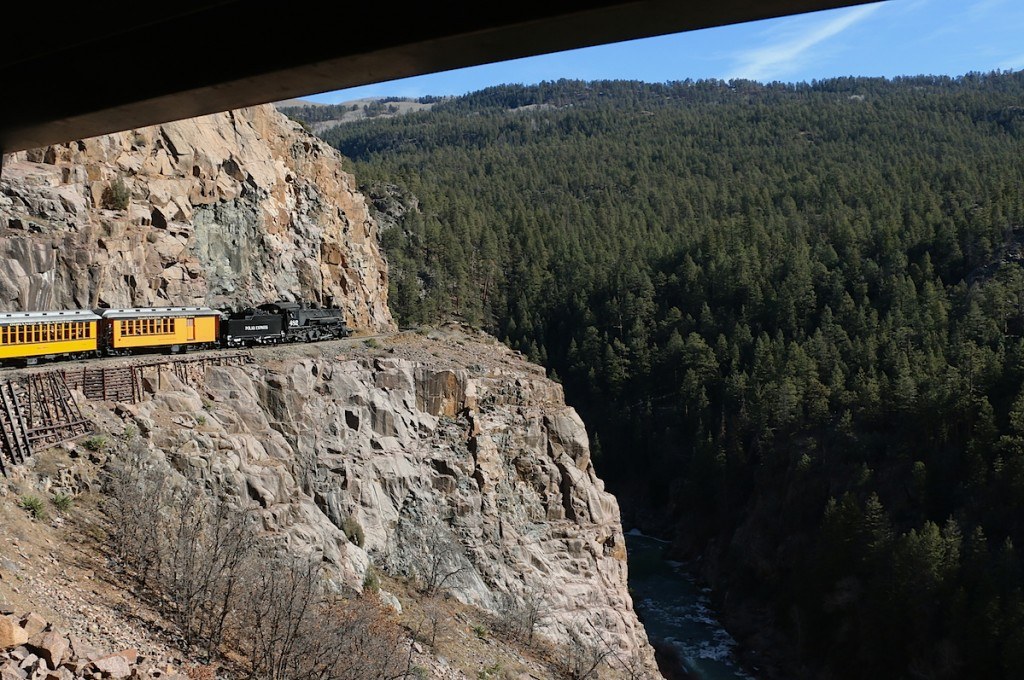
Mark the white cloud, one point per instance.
(1013, 63)
(984, 7)
(773, 61)
(912, 5)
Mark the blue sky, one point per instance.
(891, 38)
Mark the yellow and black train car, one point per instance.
(29, 336)
(124, 331)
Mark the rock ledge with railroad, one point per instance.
(440, 457)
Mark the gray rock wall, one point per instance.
(474, 479)
(237, 208)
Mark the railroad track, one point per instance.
(38, 407)
(148, 359)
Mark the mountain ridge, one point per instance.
(788, 313)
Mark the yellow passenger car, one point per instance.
(28, 336)
(174, 328)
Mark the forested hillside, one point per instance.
(791, 316)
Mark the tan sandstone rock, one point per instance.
(10, 671)
(34, 624)
(51, 647)
(11, 634)
(113, 666)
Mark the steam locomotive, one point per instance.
(282, 322)
(28, 337)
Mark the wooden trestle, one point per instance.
(39, 409)
(111, 383)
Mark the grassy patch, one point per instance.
(62, 502)
(353, 530)
(371, 581)
(117, 196)
(95, 443)
(33, 505)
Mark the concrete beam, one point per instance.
(105, 67)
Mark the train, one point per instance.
(26, 338)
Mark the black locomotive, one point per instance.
(276, 322)
(29, 337)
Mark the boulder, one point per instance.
(9, 671)
(114, 666)
(34, 624)
(389, 600)
(129, 655)
(82, 650)
(11, 634)
(51, 647)
(61, 673)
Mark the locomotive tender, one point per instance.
(27, 337)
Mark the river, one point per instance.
(677, 612)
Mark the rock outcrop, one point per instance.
(33, 649)
(235, 208)
(464, 471)
(449, 461)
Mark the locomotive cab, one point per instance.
(304, 324)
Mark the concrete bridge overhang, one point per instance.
(72, 72)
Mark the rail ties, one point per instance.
(109, 383)
(16, 446)
(38, 410)
(124, 382)
(53, 413)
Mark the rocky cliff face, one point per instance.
(448, 461)
(235, 208)
(459, 463)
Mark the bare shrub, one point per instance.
(432, 621)
(285, 597)
(176, 541)
(631, 667)
(206, 556)
(444, 562)
(585, 652)
(291, 629)
(519, 615)
(429, 553)
(197, 672)
(138, 491)
(229, 590)
(370, 642)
